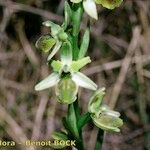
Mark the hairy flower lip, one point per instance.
(107, 126)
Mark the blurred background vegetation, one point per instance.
(120, 53)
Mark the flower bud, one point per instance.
(66, 90)
(45, 43)
(90, 8)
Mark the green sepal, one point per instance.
(77, 65)
(83, 81)
(84, 119)
(45, 43)
(55, 28)
(84, 44)
(66, 52)
(48, 82)
(56, 65)
(96, 101)
(68, 15)
(110, 4)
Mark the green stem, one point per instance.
(75, 47)
(99, 141)
(80, 144)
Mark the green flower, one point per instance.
(103, 117)
(54, 40)
(110, 4)
(66, 76)
(90, 5)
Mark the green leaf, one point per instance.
(110, 4)
(55, 28)
(59, 136)
(94, 105)
(99, 140)
(84, 120)
(48, 82)
(76, 19)
(68, 15)
(65, 124)
(83, 81)
(55, 50)
(77, 65)
(45, 43)
(72, 122)
(77, 108)
(84, 44)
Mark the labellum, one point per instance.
(66, 90)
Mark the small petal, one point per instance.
(112, 113)
(83, 81)
(66, 53)
(55, 50)
(48, 82)
(77, 65)
(57, 65)
(90, 8)
(107, 111)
